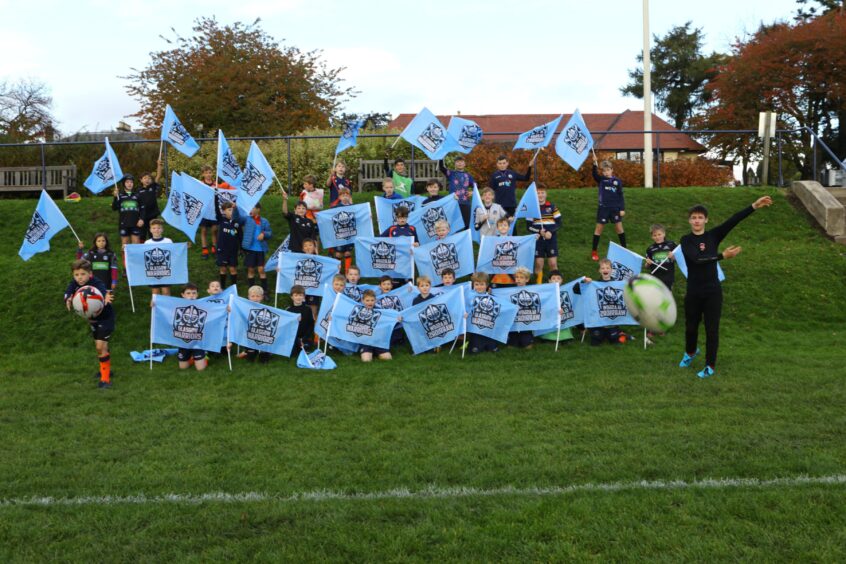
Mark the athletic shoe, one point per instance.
(706, 372)
(495, 350)
(594, 256)
(104, 385)
(213, 250)
(205, 253)
(687, 359)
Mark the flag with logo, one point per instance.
(571, 304)
(434, 322)
(188, 324)
(455, 252)
(384, 256)
(175, 133)
(228, 169)
(197, 201)
(429, 135)
(678, 255)
(399, 298)
(386, 209)
(229, 293)
(149, 264)
(539, 136)
(262, 327)
(341, 225)
(172, 213)
(537, 306)
(624, 263)
(503, 255)
(309, 271)
(574, 142)
(355, 323)
(489, 315)
(603, 304)
(466, 133)
(424, 218)
(273, 259)
(256, 179)
(529, 205)
(106, 172)
(462, 286)
(349, 137)
(315, 360)
(321, 324)
(47, 220)
(475, 204)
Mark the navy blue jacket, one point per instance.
(610, 191)
(504, 184)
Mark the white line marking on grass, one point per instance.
(431, 492)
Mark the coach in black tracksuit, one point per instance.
(704, 296)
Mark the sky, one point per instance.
(473, 57)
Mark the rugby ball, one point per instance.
(88, 302)
(650, 302)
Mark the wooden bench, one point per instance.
(30, 179)
(372, 172)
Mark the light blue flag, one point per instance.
(230, 293)
(262, 327)
(466, 133)
(188, 324)
(349, 137)
(273, 259)
(574, 142)
(384, 256)
(106, 172)
(455, 252)
(529, 205)
(309, 271)
(624, 263)
(490, 316)
(316, 360)
(228, 169)
(257, 178)
(537, 306)
(197, 200)
(386, 209)
(341, 225)
(678, 256)
(429, 135)
(503, 255)
(475, 204)
(603, 304)
(539, 136)
(399, 298)
(172, 213)
(466, 287)
(47, 220)
(424, 218)
(174, 133)
(149, 264)
(321, 325)
(571, 304)
(355, 323)
(434, 322)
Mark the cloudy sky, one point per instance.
(533, 56)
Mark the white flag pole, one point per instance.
(228, 334)
(308, 359)
(464, 340)
(152, 322)
(276, 286)
(331, 315)
(660, 265)
(128, 281)
(644, 338)
(558, 293)
(396, 141)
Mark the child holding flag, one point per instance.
(312, 196)
(433, 189)
(488, 216)
(546, 228)
(344, 252)
(460, 184)
(254, 294)
(481, 343)
(299, 225)
(186, 357)
(157, 236)
(337, 180)
(521, 339)
(130, 211)
(305, 330)
(504, 184)
(230, 232)
(368, 300)
(503, 228)
(659, 252)
(612, 205)
(598, 335)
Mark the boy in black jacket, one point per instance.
(131, 212)
(230, 231)
(612, 205)
(305, 330)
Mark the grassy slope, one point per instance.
(517, 418)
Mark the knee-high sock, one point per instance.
(105, 368)
(595, 241)
(622, 237)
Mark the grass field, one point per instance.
(583, 454)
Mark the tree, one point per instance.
(372, 121)
(807, 10)
(239, 79)
(25, 113)
(679, 73)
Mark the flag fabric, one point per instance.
(424, 218)
(309, 271)
(197, 200)
(355, 323)
(321, 324)
(47, 220)
(434, 322)
(106, 172)
(386, 209)
(228, 169)
(466, 287)
(156, 263)
(466, 133)
(571, 304)
(231, 292)
(624, 263)
(262, 327)
(156, 355)
(489, 315)
(273, 259)
(349, 137)
(175, 133)
(172, 213)
(475, 204)
(455, 252)
(503, 255)
(603, 304)
(315, 360)
(384, 256)
(529, 205)
(342, 225)
(257, 178)
(574, 142)
(188, 324)
(678, 256)
(539, 136)
(537, 306)
(356, 291)
(429, 135)
(399, 298)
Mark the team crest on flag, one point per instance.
(362, 321)
(383, 256)
(443, 256)
(307, 273)
(353, 292)
(37, 229)
(389, 302)
(157, 263)
(409, 205)
(343, 223)
(176, 202)
(177, 134)
(470, 136)
(188, 323)
(229, 166)
(537, 135)
(432, 137)
(575, 138)
(430, 217)
(610, 302)
(261, 326)
(569, 312)
(528, 307)
(104, 172)
(436, 321)
(193, 208)
(620, 271)
(253, 179)
(505, 255)
(484, 311)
